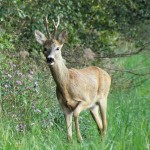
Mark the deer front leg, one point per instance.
(68, 117)
(77, 128)
(81, 106)
(67, 113)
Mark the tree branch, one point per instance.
(128, 54)
(129, 71)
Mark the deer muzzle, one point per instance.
(50, 60)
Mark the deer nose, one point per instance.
(50, 60)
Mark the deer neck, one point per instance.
(60, 72)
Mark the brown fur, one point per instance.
(78, 89)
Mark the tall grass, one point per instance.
(128, 128)
(30, 118)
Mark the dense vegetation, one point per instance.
(112, 34)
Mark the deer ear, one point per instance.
(40, 37)
(62, 36)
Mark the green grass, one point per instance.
(128, 128)
(42, 122)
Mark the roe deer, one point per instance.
(76, 89)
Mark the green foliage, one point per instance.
(89, 23)
(30, 117)
(128, 128)
(6, 41)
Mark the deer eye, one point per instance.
(57, 48)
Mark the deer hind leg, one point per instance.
(81, 106)
(103, 111)
(96, 116)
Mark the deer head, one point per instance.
(52, 45)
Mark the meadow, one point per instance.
(111, 34)
(30, 116)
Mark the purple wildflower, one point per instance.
(33, 107)
(6, 86)
(21, 127)
(18, 82)
(38, 111)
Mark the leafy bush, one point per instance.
(6, 41)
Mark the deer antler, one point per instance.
(56, 24)
(46, 25)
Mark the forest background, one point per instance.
(111, 34)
